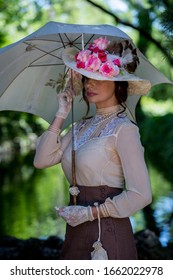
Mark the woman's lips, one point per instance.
(90, 94)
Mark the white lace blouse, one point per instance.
(108, 151)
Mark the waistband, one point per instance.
(90, 195)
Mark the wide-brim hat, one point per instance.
(136, 85)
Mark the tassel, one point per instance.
(99, 253)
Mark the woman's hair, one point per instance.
(120, 94)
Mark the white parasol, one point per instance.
(27, 65)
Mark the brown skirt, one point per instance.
(116, 233)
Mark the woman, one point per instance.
(109, 158)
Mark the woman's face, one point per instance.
(102, 93)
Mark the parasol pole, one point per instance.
(73, 148)
(74, 181)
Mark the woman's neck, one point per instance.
(108, 110)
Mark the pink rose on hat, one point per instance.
(117, 62)
(109, 69)
(93, 63)
(101, 43)
(81, 58)
(97, 59)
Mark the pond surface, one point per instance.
(164, 217)
(28, 210)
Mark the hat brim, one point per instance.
(136, 85)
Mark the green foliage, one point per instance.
(161, 187)
(166, 20)
(157, 135)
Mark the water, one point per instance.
(27, 210)
(164, 217)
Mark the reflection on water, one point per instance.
(164, 218)
(27, 210)
(163, 213)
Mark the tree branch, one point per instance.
(140, 30)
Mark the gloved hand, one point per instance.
(65, 102)
(75, 215)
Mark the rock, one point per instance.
(11, 248)
(149, 246)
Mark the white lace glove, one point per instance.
(65, 102)
(75, 215)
